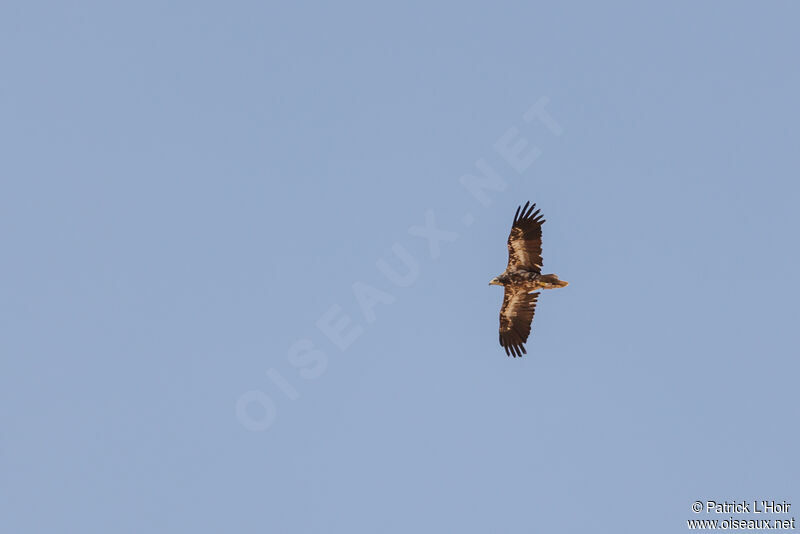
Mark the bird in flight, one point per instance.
(522, 279)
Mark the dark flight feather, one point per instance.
(516, 316)
(525, 240)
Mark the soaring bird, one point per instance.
(522, 278)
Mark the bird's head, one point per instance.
(495, 282)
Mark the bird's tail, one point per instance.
(550, 281)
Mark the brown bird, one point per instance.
(522, 277)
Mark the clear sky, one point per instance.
(222, 309)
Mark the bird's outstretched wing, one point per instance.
(516, 316)
(525, 240)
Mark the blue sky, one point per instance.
(199, 204)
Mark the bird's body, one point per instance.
(529, 280)
(521, 279)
